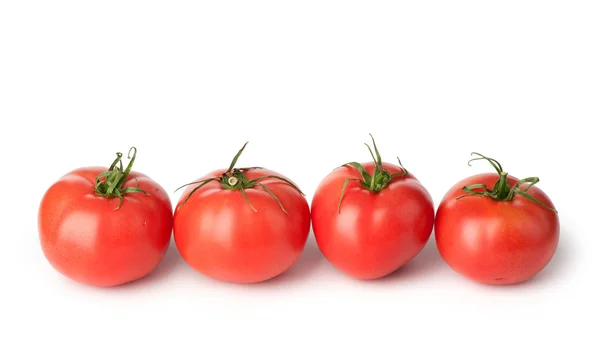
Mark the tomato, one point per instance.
(241, 225)
(105, 227)
(370, 219)
(496, 229)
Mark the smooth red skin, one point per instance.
(495, 242)
(219, 235)
(375, 233)
(86, 240)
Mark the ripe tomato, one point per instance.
(241, 225)
(94, 238)
(503, 235)
(370, 219)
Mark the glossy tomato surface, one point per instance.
(496, 242)
(84, 238)
(373, 234)
(221, 236)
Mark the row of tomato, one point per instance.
(109, 226)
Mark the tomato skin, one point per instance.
(375, 233)
(219, 235)
(496, 242)
(84, 239)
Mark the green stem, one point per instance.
(502, 190)
(109, 184)
(503, 187)
(372, 185)
(235, 179)
(380, 179)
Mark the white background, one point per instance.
(188, 82)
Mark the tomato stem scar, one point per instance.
(502, 191)
(235, 179)
(380, 179)
(114, 179)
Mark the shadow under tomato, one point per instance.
(562, 259)
(310, 259)
(164, 269)
(552, 272)
(427, 262)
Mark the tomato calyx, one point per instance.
(380, 179)
(235, 179)
(115, 177)
(502, 191)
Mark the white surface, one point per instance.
(304, 83)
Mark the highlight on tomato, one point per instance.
(242, 225)
(496, 229)
(372, 218)
(105, 226)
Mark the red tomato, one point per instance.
(378, 227)
(241, 225)
(88, 237)
(496, 234)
